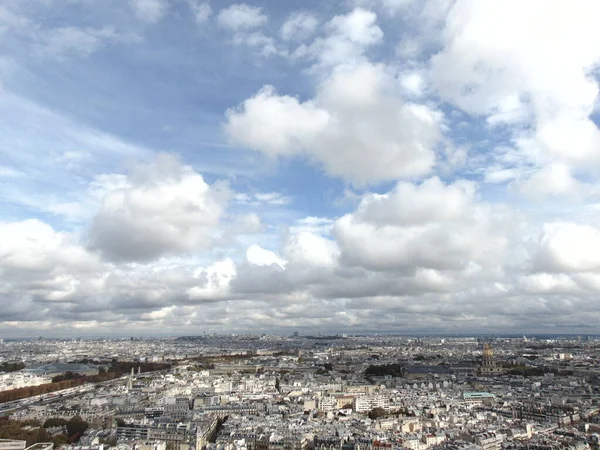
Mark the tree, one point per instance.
(376, 413)
(111, 442)
(76, 425)
(394, 370)
(54, 422)
(60, 440)
(11, 366)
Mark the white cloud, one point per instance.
(162, 248)
(272, 198)
(508, 62)
(412, 83)
(410, 204)
(299, 26)
(357, 126)
(265, 44)
(241, 17)
(202, 11)
(275, 124)
(262, 198)
(244, 21)
(150, 11)
(218, 279)
(308, 249)
(495, 175)
(259, 256)
(547, 283)
(358, 26)
(34, 245)
(568, 247)
(553, 179)
(39, 264)
(431, 225)
(349, 37)
(166, 209)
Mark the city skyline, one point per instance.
(169, 167)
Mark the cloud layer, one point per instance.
(381, 165)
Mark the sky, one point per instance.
(179, 167)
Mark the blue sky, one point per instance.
(359, 165)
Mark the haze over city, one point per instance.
(176, 167)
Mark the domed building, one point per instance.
(488, 362)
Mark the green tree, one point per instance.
(394, 370)
(376, 413)
(54, 422)
(60, 440)
(76, 425)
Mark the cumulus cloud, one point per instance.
(33, 245)
(218, 277)
(406, 247)
(568, 247)
(412, 83)
(564, 264)
(260, 257)
(40, 264)
(163, 248)
(431, 225)
(554, 179)
(289, 122)
(307, 259)
(357, 126)
(166, 208)
(357, 26)
(311, 250)
(546, 283)
(50, 275)
(530, 75)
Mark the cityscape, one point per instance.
(338, 392)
